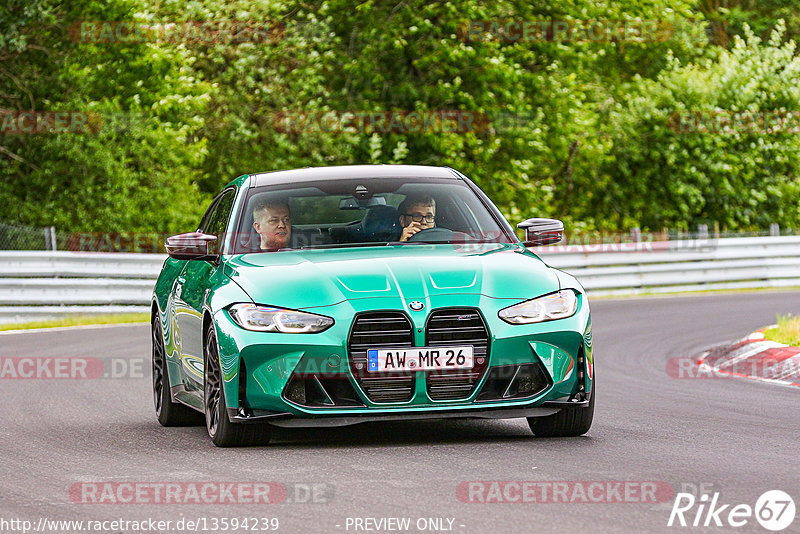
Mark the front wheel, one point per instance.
(569, 422)
(169, 413)
(221, 430)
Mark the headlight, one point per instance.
(268, 319)
(558, 305)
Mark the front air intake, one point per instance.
(507, 382)
(385, 329)
(453, 327)
(321, 391)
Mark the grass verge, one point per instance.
(787, 331)
(76, 320)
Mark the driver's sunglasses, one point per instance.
(420, 218)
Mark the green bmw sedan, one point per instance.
(342, 295)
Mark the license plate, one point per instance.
(419, 359)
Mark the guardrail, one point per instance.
(41, 284)
(36, 285)
(673, 266)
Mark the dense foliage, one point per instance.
(582, 130)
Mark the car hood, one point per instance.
(322, 277)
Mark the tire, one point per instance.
(168, 413)
(569, 422)
(221, 430)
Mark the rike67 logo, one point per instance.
(774, 510)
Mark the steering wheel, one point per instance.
(433, 234)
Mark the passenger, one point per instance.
(273, 222)
(416, 213)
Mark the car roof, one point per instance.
(344, 172)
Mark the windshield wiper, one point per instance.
(341, 245)
(393, 243)
(453, 242)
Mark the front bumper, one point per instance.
(288, 420)
(257, 366)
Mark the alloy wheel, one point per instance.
(158, 365)
(212, 384)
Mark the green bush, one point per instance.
(661, 172)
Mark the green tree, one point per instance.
(137, 168)
(658, 175)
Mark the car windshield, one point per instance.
(364, 212)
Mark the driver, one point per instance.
(416, 213)
(273, 222)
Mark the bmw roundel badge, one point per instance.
(416, 305)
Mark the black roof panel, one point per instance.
(312, 174)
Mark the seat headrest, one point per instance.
(381, 223)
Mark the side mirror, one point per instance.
(540, 231)
(191, 246)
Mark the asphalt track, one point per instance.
(738, 437)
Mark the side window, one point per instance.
(206, 217)
(217, 218)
